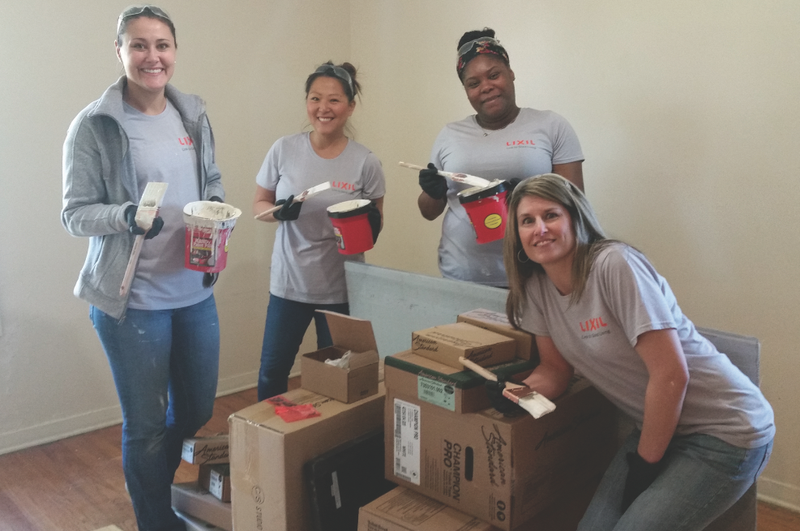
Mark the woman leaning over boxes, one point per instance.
(307, 269)
(162, 336)
(704, 430)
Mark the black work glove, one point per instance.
(216, 199)
(641, 475)
(374, 218)
(432, 183)
(130, 217)
(209, 279)
(498, 401)
(289, 211)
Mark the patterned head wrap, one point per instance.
(470, 50)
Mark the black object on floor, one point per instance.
(344, 479)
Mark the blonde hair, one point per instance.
(589, 238)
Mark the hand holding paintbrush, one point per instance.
(525, 397)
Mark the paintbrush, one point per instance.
(528, 399)
(145, 214)
(299, 198)
(457, 177)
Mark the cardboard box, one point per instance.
(501, 470)
(268, 455)
(216, 479)
(459, 391)
(205, 450)
(498, 322)
(195, 501)
(360, 380)
(446, 343)
(196, 524)
(405, 510)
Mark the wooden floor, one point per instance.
(76, 484)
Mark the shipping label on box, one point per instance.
(206, 450)
(446, 343)
(503, 470)
(498, 322)
(216, 479)
(406, 441)
(457, 390)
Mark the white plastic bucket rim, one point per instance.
(211, 214)
(347, 206)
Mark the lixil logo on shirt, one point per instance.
(186, 143)
(520, 143)
(593, 324)
(343, 186)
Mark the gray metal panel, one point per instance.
(399, 302)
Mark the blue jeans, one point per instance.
(286, 325)
(165, 365)
(702, 477)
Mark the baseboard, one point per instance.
(779, 493)
(48, 432)
(56, 430)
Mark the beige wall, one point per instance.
(679, 107)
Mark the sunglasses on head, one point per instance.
(339, 72)
(136, 11)
(467, 46)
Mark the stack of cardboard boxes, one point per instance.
(443, 443)
(459, 463)
(205, 504)
(270, 483)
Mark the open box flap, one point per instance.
(350, 333)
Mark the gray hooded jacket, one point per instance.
(100, 183)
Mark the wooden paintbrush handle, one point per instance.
(471, 365)
(128, 278)
(268, 211)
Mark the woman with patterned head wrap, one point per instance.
(501, 141)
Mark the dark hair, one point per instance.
(475, 34)
(475, 43)
(149, 11)
(350, 86)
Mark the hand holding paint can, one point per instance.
(351, 226)
(487, 211)
(208, 231)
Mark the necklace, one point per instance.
(487, 132)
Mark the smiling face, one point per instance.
(327, 106)
(546, 233)
(489, 84)
(147, 52)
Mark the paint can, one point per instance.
(487, 211)
(351, 226)
(208, 232)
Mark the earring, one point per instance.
(520, 260)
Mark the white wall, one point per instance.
(249, 61)
(687, 113)
(688, 116)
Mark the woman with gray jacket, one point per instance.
(162, 336)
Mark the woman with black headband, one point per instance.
(501, 141)
(161, 336)
(307, 271)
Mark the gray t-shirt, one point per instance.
(625, 297)
(306, 264)
(529, 146)
(162, 151)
